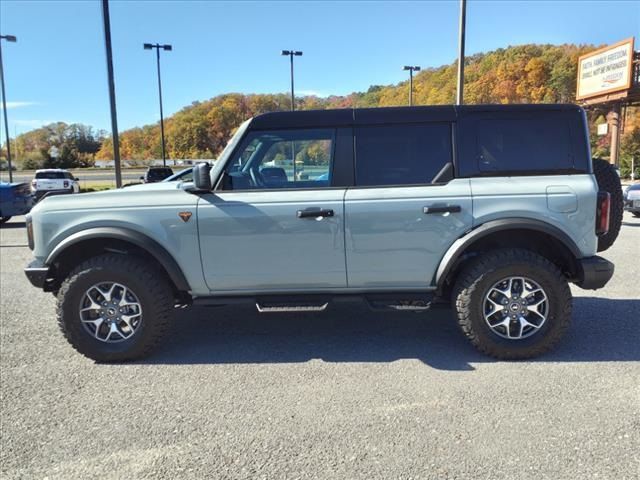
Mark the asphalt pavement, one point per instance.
(344, 394)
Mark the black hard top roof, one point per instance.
(368, 116)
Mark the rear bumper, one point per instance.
(594, 272)
(37, 273)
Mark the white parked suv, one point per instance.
(54, 181)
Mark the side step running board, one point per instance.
(279, 308)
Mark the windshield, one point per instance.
(233, 141)
(185, 175)
(231, 145)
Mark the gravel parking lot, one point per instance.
(343, 394)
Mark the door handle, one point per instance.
(315, 213)
(447, 209)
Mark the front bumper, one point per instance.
(37, 273)
(594, 272)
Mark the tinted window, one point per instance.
(283, 159)
(157, 174)
(50, 175)
(523, 144)
(401, 154)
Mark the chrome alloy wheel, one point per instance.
(515, 308)
(110, 312)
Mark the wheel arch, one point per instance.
(87, 243)
(531, 234)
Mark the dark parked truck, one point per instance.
(15, 199)
(493, 209)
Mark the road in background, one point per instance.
(92, 175)
(346, 393)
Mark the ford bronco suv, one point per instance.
(495, 209)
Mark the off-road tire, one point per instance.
(482, 273)
(148, 283)
(609, 181)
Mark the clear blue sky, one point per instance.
(57, 69)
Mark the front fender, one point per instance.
(157, 251)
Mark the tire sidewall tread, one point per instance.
(482, 273)
(146, 281)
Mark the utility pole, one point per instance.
(461, 34)
(8, 38)
(291, 54)
(411, 70)
(157, 46)
(112, 91)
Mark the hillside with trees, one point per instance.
(520, 74)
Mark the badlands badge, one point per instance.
(185, 216)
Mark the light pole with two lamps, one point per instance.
(411, 69)
(158, 47)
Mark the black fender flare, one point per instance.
(460, 245)
(153, 248)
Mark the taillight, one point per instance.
(603, 212)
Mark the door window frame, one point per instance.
(341, 163)
(453, 150)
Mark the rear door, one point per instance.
(406, 208)
(276, 224)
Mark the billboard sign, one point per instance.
(606, 70)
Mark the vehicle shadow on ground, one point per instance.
(602, 330)
(13, 225)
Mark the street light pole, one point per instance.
(411, 69)
(461, 33)
(112, 91)
(291, 54)
(157, 46)
(8, 38)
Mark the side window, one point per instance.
(401, 154)
(523, 144)
(282, 159)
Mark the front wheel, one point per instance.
(114, 308)
(512, 304)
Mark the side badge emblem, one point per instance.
(185, 216)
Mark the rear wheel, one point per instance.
(512, 304)
(114, 308)
(609, 181)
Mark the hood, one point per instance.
(137, 196)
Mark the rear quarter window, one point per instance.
(523, 145)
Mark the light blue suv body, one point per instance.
(291, 235)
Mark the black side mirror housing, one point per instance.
(202, 177)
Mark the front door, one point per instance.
(276, 224)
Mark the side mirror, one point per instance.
(202, 177)
(76, 179)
